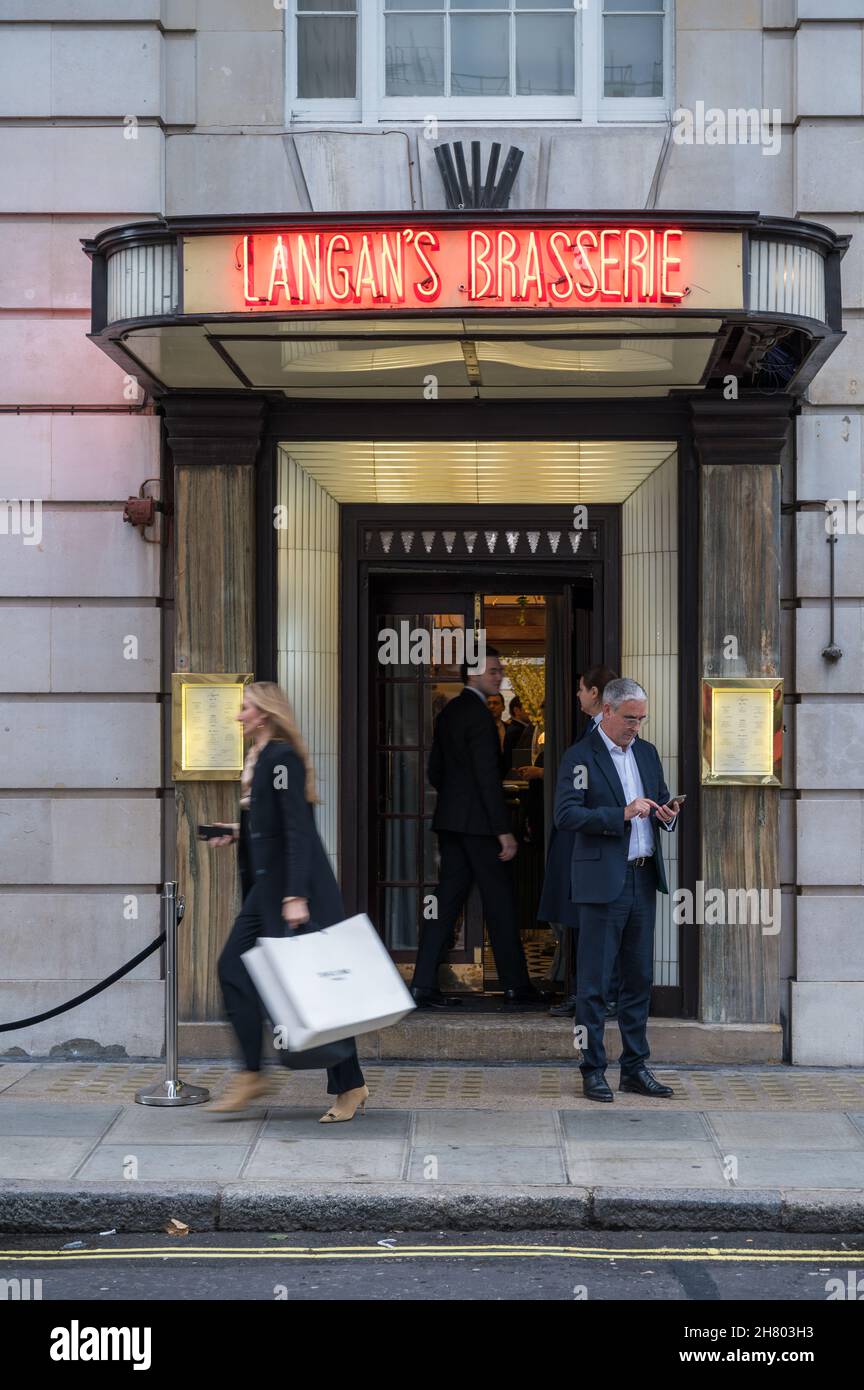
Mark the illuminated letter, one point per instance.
(608, 262)
(641, 261)
(392, 268)
(286, 278)
(430, 288)
(365, 272)
(555, 289)
(668, 263)
(589, 291)
(249, 273)
(304, 268)
(505, 258)
(332, 271)
(478, 261)
(533, 271)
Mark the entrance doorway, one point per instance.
(419, 634)
(355, 549)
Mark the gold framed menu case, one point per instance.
(206, 737)
(742, 732)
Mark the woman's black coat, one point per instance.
(281, 854)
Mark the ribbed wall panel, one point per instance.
(308, 627)
(787, 279)
(649, 653)
(142, 282)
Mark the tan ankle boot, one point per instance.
(243, 1088)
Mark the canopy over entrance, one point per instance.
(459, 306)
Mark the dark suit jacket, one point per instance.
(280, 850)
(595, 814)
(512, 737)
(555, 903)
(465, 770)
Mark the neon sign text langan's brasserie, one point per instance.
(449, 267)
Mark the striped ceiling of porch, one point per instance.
(481, 472)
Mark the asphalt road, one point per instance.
(399, 1266)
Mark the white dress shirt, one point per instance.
(624, 762)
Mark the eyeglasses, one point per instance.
(636, 719)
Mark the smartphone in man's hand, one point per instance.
(214, 832)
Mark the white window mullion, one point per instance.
(371, 48)
(511, 20)
(591, 59)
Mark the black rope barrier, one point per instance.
(88, 994)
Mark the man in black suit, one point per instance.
(474, 836)
(509, 734)
(612, 794)
(518, 716)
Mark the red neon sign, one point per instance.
(493, 267)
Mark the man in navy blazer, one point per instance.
(612, 795)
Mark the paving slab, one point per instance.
(164, 1162)
(316, 1160)
(763, 1130)
(483, 1165)
(605, 1123)
(787, 1168)
(38, 1157)
(685, 1164)
(384, 1126)
(441, 1127)
(60, 1121)
(193, 1124)
(10, 1073)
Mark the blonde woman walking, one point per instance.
(286, 880)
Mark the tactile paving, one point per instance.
(516, 1086)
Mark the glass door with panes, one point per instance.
(417, 646)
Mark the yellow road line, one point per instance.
(294, 1252)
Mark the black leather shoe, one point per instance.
(595, 1086)
(565, 1010)
(433, 999)
(642, 1082)
(526, 994)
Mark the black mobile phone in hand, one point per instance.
(214, 832)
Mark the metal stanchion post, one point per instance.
(171, 1091)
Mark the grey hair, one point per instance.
(621, 689)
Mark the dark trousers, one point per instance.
(623, 929)
(243, 1006)
(465, 860)
(614, 984)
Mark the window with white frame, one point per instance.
(384, 60)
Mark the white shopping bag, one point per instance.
(328, 984)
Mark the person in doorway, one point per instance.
(612, 794)
(589, 694)
(508, 733)
(518, 715)
(286, 880)
(475, 838)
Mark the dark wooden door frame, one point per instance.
(668, 419)
(358, 570)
